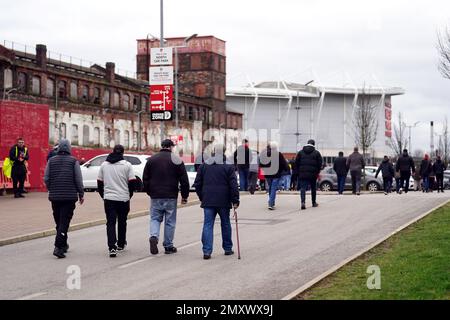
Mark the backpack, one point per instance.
(7, 167)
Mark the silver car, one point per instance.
(328, 180)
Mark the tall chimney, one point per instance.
(41, 55)
(431, 138)
(110, 73)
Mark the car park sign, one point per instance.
(161, 84)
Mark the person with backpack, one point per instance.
(19, 155)
(387, 172)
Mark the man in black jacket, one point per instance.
(425, 170)
(405, 165)
(19, 155)
(340, 167)
(217, 189)
(65, 186)
(163, 173)
(309, 164)
(387, 171)
(438, 169)
(242, 159)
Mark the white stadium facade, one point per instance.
(302, 112)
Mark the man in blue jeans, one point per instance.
(217, 189)
(274, 164)
(242, 160)
(163, 173)
(340, 167)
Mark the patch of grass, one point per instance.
(414, 265)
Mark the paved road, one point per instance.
(281, 250)
(33, 213)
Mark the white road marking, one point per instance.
(152, 257)
(31, 296)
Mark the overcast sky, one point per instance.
(391, 42)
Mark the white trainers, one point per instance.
(112, 253)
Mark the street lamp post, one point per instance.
(409, 137)
(161, 44)
(297, 134)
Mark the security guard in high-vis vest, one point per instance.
(19, 155)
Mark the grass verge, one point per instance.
(414, 264)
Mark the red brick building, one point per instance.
(95, 107)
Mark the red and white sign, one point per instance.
(161, 85)
(161, 98)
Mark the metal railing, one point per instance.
(64, 59)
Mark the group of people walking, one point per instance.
(216, 185)
(164, 177)
(275, 172)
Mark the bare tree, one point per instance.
(445, 143)
(443, 47)
(418, 154)
(399, 139)
(365, 123)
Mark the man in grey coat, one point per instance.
(355, 163)
(65, 186)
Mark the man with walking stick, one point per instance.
(217, 189)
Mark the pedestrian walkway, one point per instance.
(33, 214)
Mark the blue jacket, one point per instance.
(216, 184)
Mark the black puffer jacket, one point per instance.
(308, 163)
(405, 163)
(63, 175)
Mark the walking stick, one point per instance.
(237, 233)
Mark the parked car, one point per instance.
(373, 170)
(90, 169)
(328, 180)
(190, 169)
(447, 179)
